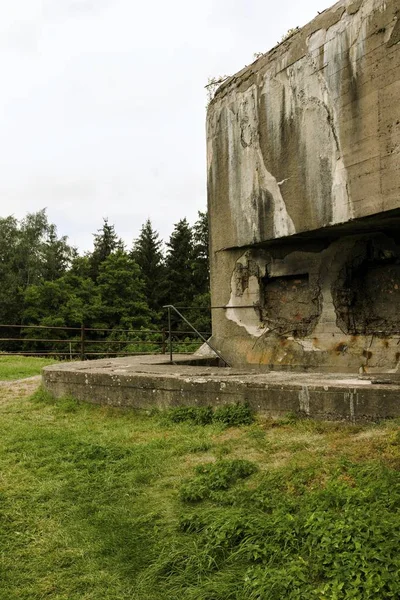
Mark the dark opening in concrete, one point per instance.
(367, 299)
(289, 304)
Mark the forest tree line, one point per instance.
(46, 282)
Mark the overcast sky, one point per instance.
(102, 103)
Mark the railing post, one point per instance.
(170, 334)
(163, 345)
(82, 342)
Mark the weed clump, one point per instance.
(234, 415)
(231, 415)
(198, 415)
(210, 478)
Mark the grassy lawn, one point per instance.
(17, 367)
(107, 504)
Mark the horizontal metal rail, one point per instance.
(136, 331)
(78, 328)
(225, 306)
(143, 342)
(44, 353)
(78, 341)
(67, 353)
(40, 327)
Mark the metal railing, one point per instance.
(89, 342)
(172, 307)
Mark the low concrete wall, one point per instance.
(148, 383)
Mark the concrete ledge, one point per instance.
(144, 382)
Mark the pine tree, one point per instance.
(123, 302)
(147, 253)
(57, 255)
(200, 313)
(179, 261)
(80, 265)
(106, 241)
(201, 267)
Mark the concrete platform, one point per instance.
(146, 382)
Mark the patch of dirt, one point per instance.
(229, 434)
(192, 460)
(279, 460)
(371, 433)
(19, 387)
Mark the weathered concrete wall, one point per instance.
(304, 197)
(148, 382)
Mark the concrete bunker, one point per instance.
(304, 198)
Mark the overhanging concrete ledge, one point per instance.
(146, 382)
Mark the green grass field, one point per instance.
(18, 367)
(108, 504)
